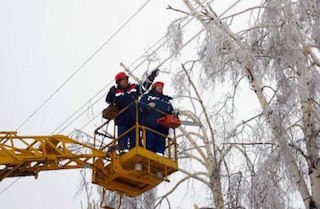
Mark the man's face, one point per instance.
(123, 83)
(159, 89)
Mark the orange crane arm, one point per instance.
(28, 155)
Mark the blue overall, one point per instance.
(122, 97)
(126, 120)
(149, 116)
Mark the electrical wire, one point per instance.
(163, 62)
(73, 74)
(169, 57)
(100, 91)
(82, 65)
(110, 82)
(7, 187)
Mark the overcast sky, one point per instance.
(42, 43)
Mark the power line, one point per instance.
(100, 91)
(109, 83)
(169, 57)
(12, 183)
(82, 65)
(78, 110)
(73, 74)
(83, 112)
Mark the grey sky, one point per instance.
(42, 43)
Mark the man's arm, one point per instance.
(111, 95)
(170, 109)
(145, 104)
(147, 83)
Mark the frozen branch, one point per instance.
(185, 155)
(172, 190)
(177, 10)
(196, 176)
(315, 58)
(130, 73)
(206, 116)
(257, 27)
(244, 11)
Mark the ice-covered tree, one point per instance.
(114, 200)
(278, 56)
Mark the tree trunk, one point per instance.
(216, 189)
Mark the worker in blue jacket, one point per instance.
(149, 104)
(125, 94)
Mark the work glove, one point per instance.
(152, 104)
(113, 90)
(154, 74)
(111, 95)
(175, 112)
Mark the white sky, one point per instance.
(42, 43)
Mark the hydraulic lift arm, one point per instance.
(28, 155)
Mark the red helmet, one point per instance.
(156, 84)
(120, 76)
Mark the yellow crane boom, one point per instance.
(28, 155)
(128, 172)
